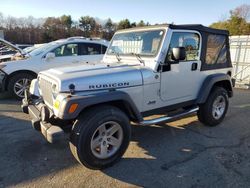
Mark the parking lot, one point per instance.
(183, 154)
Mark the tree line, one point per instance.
(31, 30)
(238, 21)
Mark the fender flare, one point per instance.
(95, 99)
(208, 84)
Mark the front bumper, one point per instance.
(33, 107)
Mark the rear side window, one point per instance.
(216, 49)
(90, 49)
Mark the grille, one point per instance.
(46, 90)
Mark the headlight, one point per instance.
(57, 102)
(34, 90)
(54, 88)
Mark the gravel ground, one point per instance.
(183, 153)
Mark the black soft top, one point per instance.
(197, 27)
(206, 45)
(200, 28)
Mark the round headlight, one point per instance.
(54, 88)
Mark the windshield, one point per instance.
(42, 48)
(29, 49)
(144, 43)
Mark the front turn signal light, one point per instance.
(73, 108)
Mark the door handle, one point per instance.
(194, 66)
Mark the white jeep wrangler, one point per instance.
(146, 71)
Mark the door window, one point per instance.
(66, 50)
(191, 43)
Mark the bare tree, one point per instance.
(242, 11)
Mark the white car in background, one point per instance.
(16, 76)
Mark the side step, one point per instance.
(166, 119)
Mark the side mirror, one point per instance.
(50, 55)
(178, 54)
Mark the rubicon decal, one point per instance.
(112, 85)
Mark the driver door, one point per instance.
(179, 80)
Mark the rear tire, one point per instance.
(213, 111)
(18, 83)
(100, 137)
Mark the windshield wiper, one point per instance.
(117, 56)
(138, 57)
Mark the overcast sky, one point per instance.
(154, 11)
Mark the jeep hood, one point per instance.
(95, 77)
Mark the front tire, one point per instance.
(18, 84)
(213, 111)
(100, 137)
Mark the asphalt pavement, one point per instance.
(183, 153)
